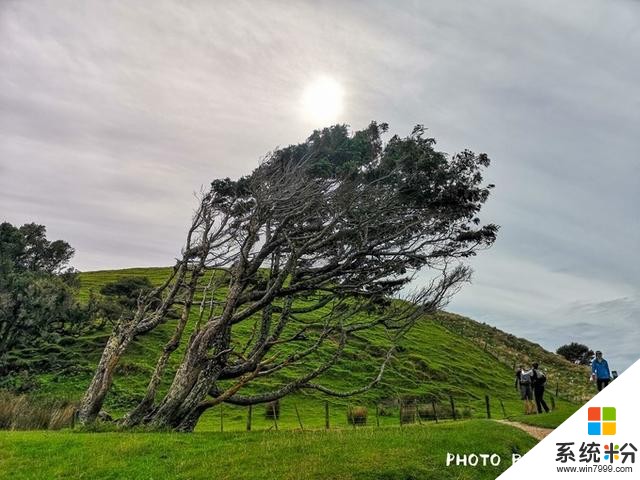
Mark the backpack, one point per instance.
(525, 377)
(541, 378)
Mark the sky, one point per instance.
(114, 114)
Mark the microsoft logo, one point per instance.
(602, 421)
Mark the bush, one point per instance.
(272, 410)
(357, 415)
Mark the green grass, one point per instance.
(417, 452)
(443, 356)
(548, 420)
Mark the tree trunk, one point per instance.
(94, 396)
(145, 407)
(193, 381)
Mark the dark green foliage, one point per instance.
(576, 352)
(27, 249)
(120, 297)
(126, 290)
(38, 306)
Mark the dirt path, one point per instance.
(535, 432)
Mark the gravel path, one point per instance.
(536, 432)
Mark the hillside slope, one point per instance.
(442, 357)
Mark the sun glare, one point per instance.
(322, 101)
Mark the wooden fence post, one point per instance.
(221, 419)
(486, 400)
(400, 405)
(377, 417)
(298, 415)
(504, 411)
(326, 414)
(435, 414)
(453, 408)
(415, 404)
(249, 418)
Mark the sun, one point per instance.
(322, 101)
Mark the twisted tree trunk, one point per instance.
(102, 379)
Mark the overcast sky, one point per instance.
(113, 113)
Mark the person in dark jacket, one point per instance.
(600, 371)
(538, 380)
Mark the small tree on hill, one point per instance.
(576, 353)
(37, 302)
(281, 269)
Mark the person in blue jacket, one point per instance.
(600, 371)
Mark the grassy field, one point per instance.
(444, 358)
(416, 452)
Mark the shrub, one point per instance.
(20, 412)
(357, 415)
(272, 410)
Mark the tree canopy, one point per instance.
(336, 226)
(576, 353)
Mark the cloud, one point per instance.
(113, 114)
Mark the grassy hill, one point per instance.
(444, 357)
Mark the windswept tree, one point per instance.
(283, 267)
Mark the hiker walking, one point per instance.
(538, 380)
(523, 378)
(600, 371)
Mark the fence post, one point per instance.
(435, 414)
(453, 408)
(326, 414)
(415, 404)
(249, 418)
(221, 419)
(400, 405)
(553, 402)
(295, 407)
(504, 412)
(377, 416)
(486, 399)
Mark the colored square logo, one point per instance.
(608, 428)
(602, 421)
(595, 428)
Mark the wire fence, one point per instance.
(313, 414)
